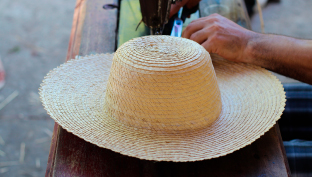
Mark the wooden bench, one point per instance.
(94, 31)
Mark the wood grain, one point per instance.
(99, 28)
(75, 157)
(75, 35)
(72, 156)
(78, 34)
(73, 49)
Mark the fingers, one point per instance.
(219, 35)
(198, 24)
(210, 19)
(192, 28)
(200, 36)
(192, 3)
(176, 7)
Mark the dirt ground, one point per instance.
(34, 36)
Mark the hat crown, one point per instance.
(163, 83)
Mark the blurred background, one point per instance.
(34, 36)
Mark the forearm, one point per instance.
(284, 55)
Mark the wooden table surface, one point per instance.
(94, 31)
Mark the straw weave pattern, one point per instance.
(75, 96)
(163, 84)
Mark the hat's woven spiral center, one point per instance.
(163, 83)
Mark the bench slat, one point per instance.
(94, 31)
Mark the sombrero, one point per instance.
(162, 98)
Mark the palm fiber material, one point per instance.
(162, 98)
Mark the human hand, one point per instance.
(176, 7)
(221, 36)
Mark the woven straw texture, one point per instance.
(160, 99)
(163, 84)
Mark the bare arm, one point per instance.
(285, 55)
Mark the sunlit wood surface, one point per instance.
(94, 31)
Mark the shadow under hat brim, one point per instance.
(252, 101)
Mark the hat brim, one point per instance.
(252, 101)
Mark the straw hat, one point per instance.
(162, 98)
